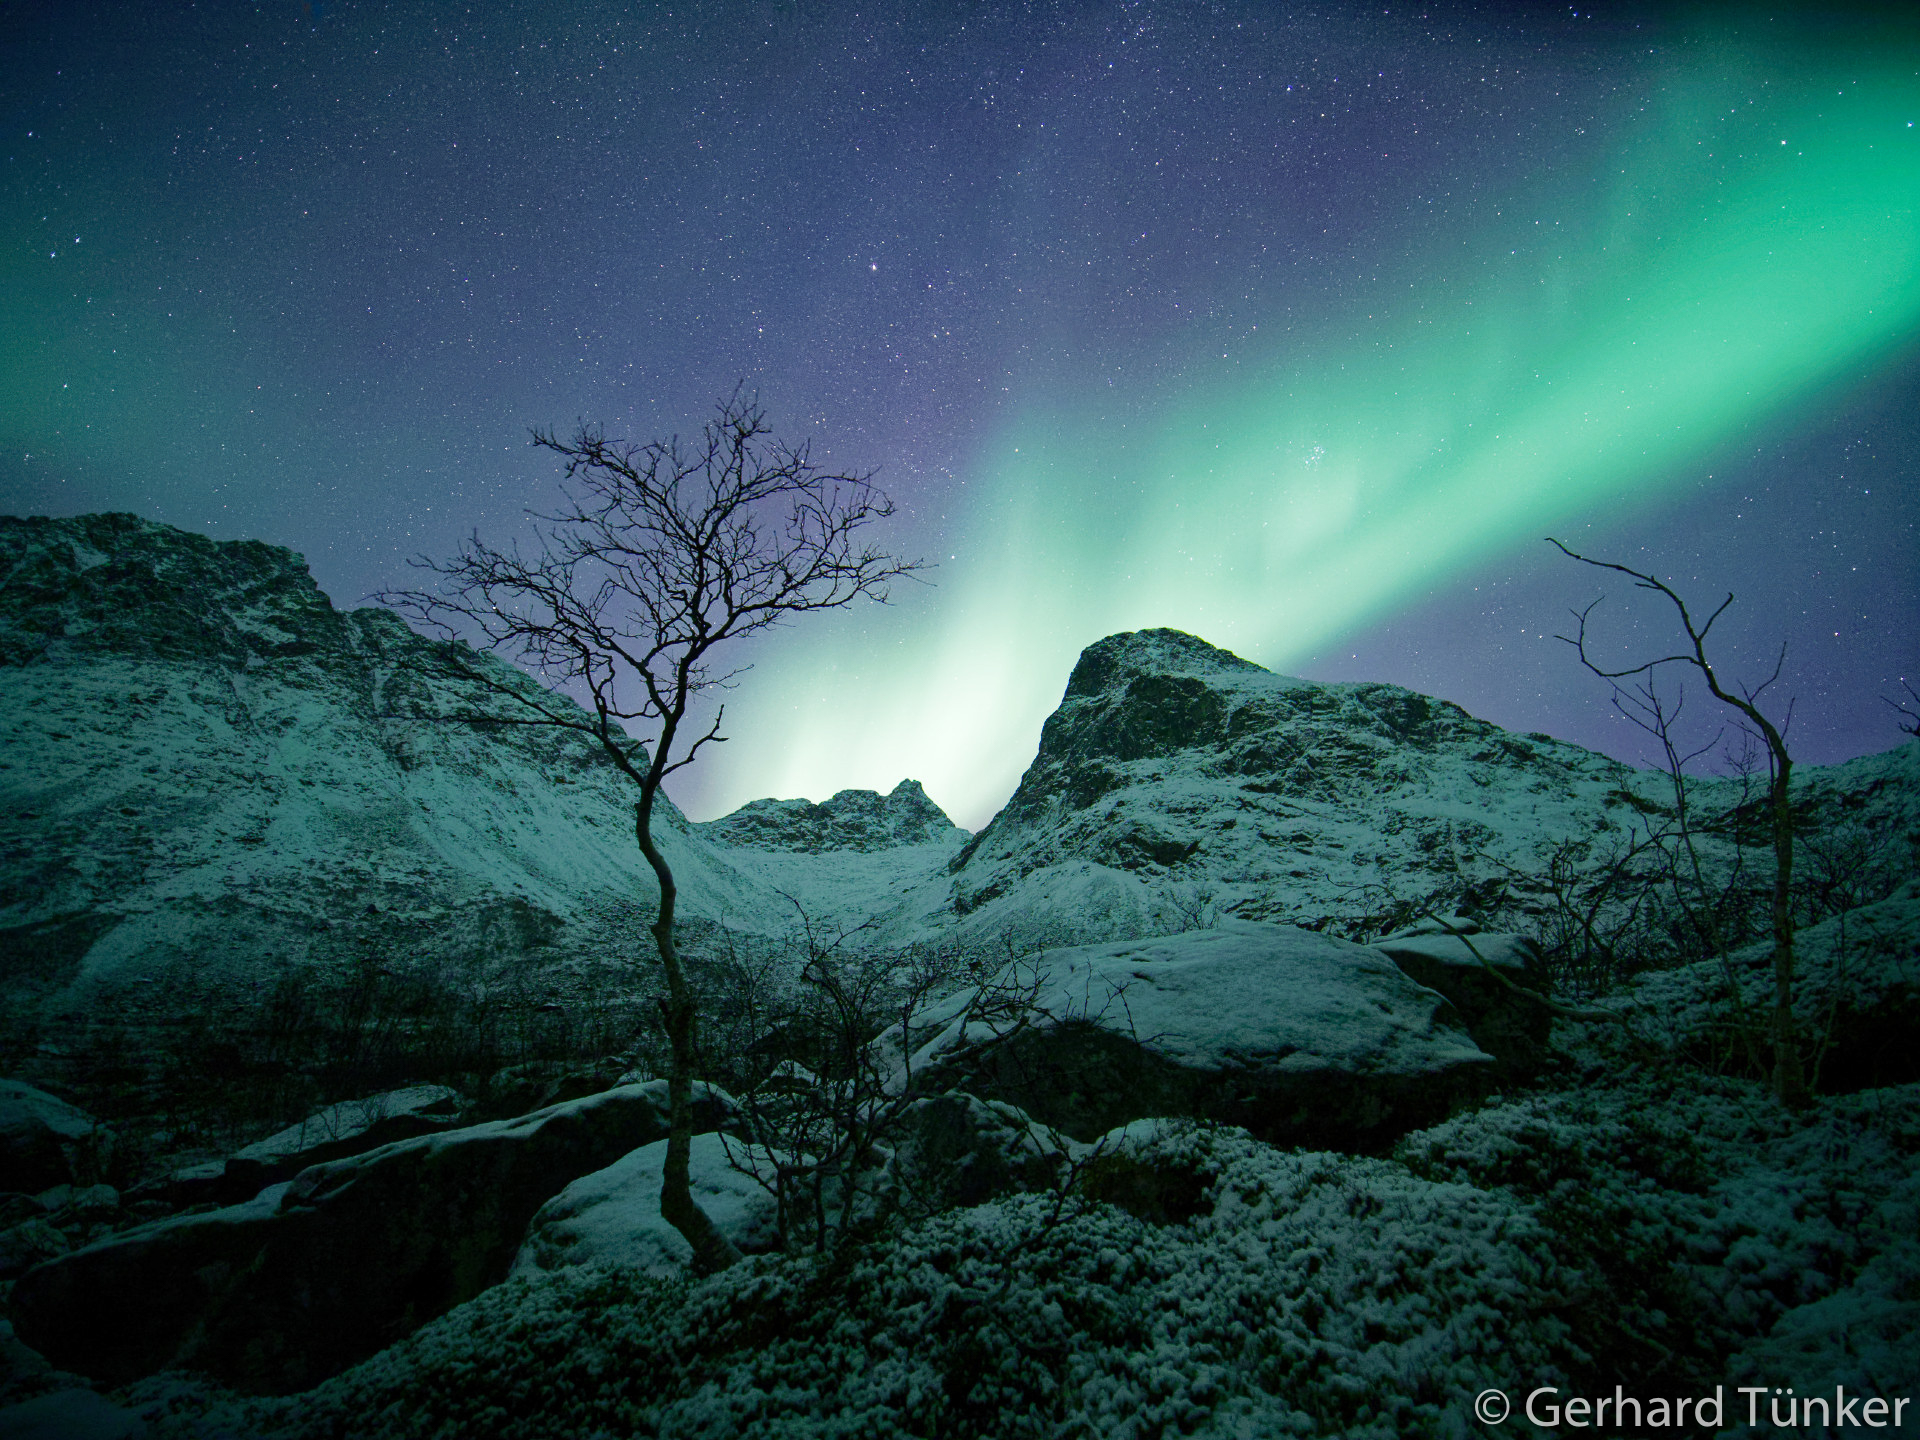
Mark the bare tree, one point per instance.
(661, 555)
(1909, 719)
(1789, 1079)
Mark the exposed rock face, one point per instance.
(324, 1270)
(852, 820)
(1171, 764)
(1177, 779)
(1484, 976)
(1301, 1038)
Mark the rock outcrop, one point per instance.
(860, 820)
(1496, 982)
(324, 1270)
(611, 1217)
(45, 1142)
(1178, 781)
(349, 1128)
(1301, 1038)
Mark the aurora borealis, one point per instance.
(1295, 329)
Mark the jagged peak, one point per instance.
(1156, 652)
(115, 582)
(849, 820)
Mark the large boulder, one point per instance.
(46, 1142)
(957, 1150)
(1299, 1037)
(612, 1217)
(123, 1307)
(349, 1128)
(350, 1256)
(1495, 981)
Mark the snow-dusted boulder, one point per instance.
(1302, 1038)
(1484, 975)
(43, 1139)
(612, 1216)
(349, 1128)
(338, 1263)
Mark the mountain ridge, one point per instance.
(217, 775)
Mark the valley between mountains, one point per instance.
(1365, 1055)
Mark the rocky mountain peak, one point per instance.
(852, 820)
(115, 584)
(1119, 658)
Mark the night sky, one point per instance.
(1294, 327)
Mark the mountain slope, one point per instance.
(213, 773)
(1177, 780)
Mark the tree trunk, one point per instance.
(1789, 1080)
(711, 1250)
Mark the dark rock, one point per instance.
(310, 1277)
(956, 1150)
(27, 1244)
(124, 1307)
(1301, 1038)
(1127, 1168)
(1479, 974)
(522, 1089)
(70, 1415)
(200, 1184)
(46, 1142)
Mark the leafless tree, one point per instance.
(661, 555)
(1909, 718)
(1789, 1079)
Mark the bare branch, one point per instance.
(1910, 719)
(658, 555)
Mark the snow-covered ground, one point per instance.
(212, 775)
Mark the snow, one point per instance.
(1663, 1230)
(278, 796)
(349, 1118)
(611, 1218)
(1242, 996)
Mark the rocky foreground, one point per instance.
(1237, 1084)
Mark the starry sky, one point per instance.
(1295, 327)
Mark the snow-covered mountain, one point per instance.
(210, 772)
(1177, 780)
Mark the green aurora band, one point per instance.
(1752, 254)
